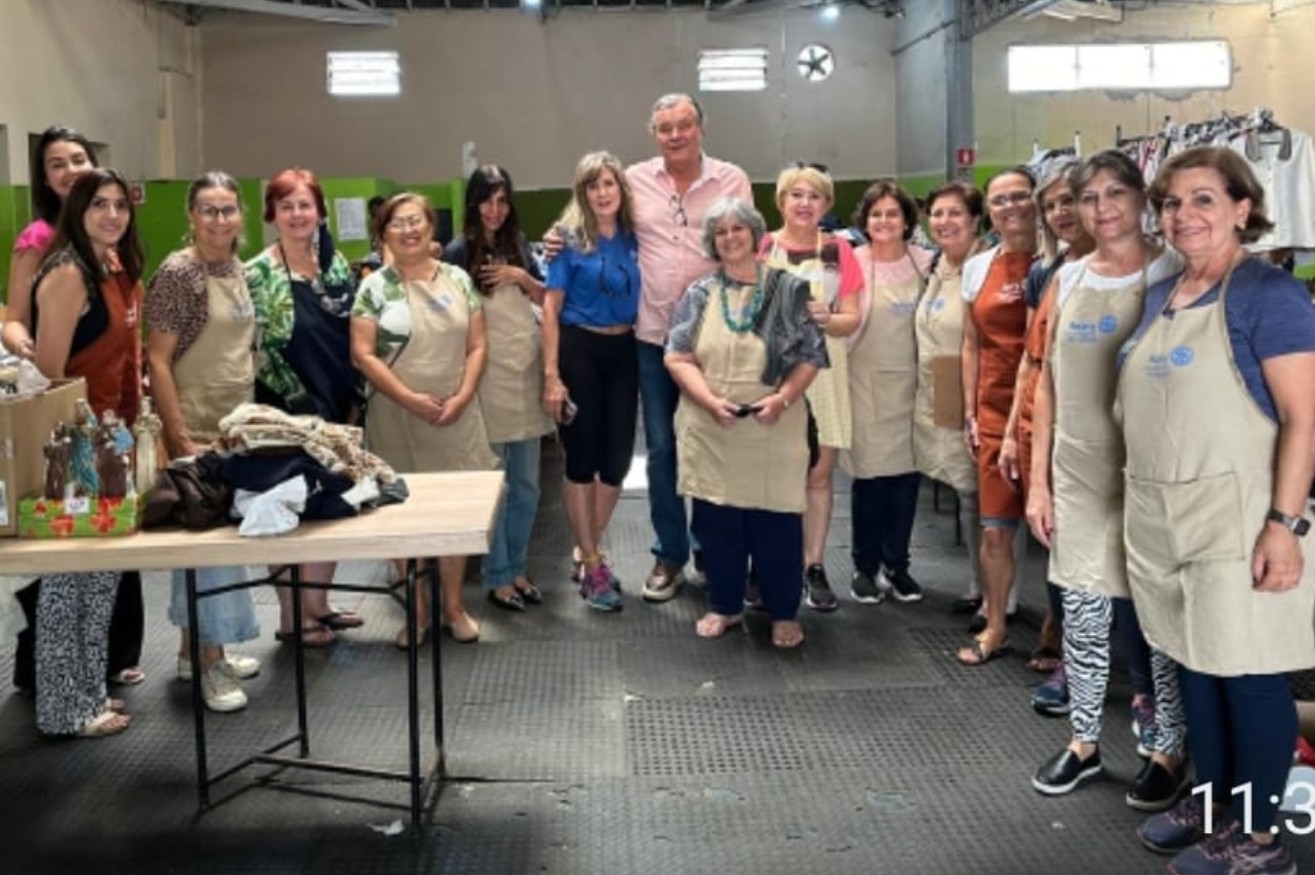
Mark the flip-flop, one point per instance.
(104, 724)
(713, 625)
(787, 634)
(115, 705)
(339, 620)
(977, 654)
(311, 636)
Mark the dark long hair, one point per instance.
(483, 184)
(72, 228)
(45, 203)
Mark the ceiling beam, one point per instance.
(324, 14)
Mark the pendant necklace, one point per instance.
(746, 321)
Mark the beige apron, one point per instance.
(433, 362)
(1087, 551)
(749, 465)
(511, 389)
(828, 394)
(217, 372)
(939, 452)
(1200, 474)
(883, 379)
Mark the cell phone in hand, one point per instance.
(569, 411)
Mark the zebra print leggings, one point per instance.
(1088, 618)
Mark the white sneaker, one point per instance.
(221, 691)
(239, 666)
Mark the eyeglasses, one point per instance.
(678, 211)
(406, 223)
(1010, 199)
(210, 213)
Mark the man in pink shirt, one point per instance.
(671, 194)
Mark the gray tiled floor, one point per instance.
(581, 743)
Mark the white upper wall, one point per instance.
(535, 97)
(1273, 66)
(109, 68)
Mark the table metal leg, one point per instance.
(198, 700)
(299, 660)
(413, 690)
(440, 765)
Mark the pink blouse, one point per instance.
(35, 237)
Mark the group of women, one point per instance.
(289, 328)
(1149, 410)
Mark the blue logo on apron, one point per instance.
(1109, 323)
(1181, 356)
(938, 305)
(438, 305)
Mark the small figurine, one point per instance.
(111, 467)
(146, 432)
(83, 465)
(59, 452)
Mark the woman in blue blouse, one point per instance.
(591, 386)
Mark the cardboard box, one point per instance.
(947, 391)
(25, 426)
(79, 517)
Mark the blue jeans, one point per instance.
(223, 619)
(658, 394)
(772, 541)
(510, 542)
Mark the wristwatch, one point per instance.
(1297, 525)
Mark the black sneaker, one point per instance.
(1064, 771)
(902, 585)
(863, 587)
(818, 594)
(1157, 788)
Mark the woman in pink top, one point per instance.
(59, 157)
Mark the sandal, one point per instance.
(513, 602)
(338, 620)
(104, 724)
(128, 677)
(115, 705)
(403, 640)
(1044, 660)
(311, 636)
(528, 592)
(978, 654)
(787, 634)
(712, 625)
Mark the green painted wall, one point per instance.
(365, 189)
(162, 221)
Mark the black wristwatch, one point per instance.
(1297, 525)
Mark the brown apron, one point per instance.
(1200, 475)
(939, 452)
(217, 372)
(511, 389)
(433, 362)
(828, 394)
(111, 364)
(1086, 467)
(749, 465)
(883, 378)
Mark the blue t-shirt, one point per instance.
(1269, 314)
(1038, 280)
(601, 287)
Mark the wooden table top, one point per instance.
(449, 514)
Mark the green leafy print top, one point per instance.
(271, 297)
(382, 299)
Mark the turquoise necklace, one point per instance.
(745, 323)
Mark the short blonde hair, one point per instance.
(577, 220)
(818, 180)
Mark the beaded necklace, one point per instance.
(750, 315)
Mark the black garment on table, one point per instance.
(260, 472)
(127, 626)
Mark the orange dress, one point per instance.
(1034, 347)
(999, 312)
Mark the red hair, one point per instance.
(285, 182)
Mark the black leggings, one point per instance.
(601, 374)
